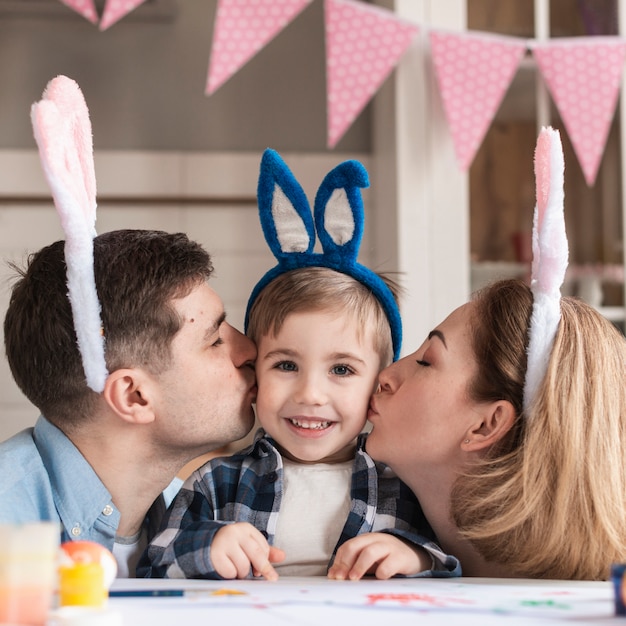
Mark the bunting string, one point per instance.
(473, 70)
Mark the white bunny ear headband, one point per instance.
(63, 133)
(550, 255)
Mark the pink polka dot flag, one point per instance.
(241, 29)
(474, 72)
(86, 8)
(363, 45)
(115, 10)
(583, 76)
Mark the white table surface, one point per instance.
(318, 601)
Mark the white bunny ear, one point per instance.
(550, 257)
(284, 209)
(339, 214)
(63, 133)
(292, 235)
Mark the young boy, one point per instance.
(306, 485)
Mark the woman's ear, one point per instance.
(127, 392)
(497, 420)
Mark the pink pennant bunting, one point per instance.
(86, 8)
(363, 46)
(115, 10)
(474, 72)
(242, 28)
(583, 76)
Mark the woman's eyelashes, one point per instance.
(428, 351)
(425, 359)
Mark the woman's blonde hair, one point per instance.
(550, 500)
(322, 289)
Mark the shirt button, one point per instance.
(76, 530)
(107, 510)
(272, 477)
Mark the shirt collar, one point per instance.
(80, 496)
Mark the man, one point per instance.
(180, 383)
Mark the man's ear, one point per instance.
(127, 392)
(497, 420)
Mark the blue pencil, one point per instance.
(147, 593)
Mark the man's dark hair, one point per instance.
(138, 274)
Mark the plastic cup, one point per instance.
(82, 584)
(28, 571)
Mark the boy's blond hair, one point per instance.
(322, 289)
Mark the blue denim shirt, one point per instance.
(45, 477)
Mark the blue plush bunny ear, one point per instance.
(283, 209)
(339, 221)
(339, 212)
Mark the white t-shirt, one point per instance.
(313, 512)
(127, 551)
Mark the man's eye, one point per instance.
(286, 366)
(423, 363)
(219, 342)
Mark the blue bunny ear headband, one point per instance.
(290, 230)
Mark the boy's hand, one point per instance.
(380, 554)
(239, 547)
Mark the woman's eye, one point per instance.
(423, 363)
(342, 370)
(286, 366)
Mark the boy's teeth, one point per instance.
(310, 425)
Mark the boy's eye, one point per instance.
(342, 370)
(286, 366)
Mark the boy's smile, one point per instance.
(309, 424)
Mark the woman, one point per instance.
(535, 492)
(509, 422)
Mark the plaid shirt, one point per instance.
(247, 487)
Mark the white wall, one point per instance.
(211, 197)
